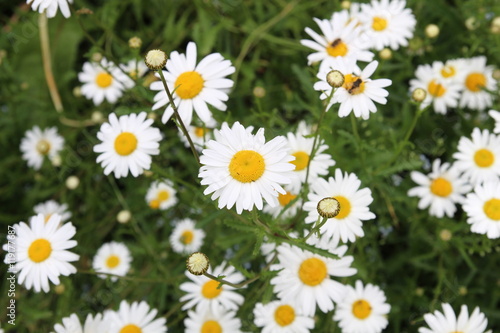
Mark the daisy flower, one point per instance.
(362, 310)
(447, 321)
(283, 201)
(453, 70)
(135, 69)
(113, 258)
(199, 135)
(72, 324)
(136, 317)
(358, 92)
(483, 209)
(304, 279)
(496, 117)
(441, 189)
(203, 293)
(41, 252)
(127, 144)
(38, 144)
(103, 81)
(300, 148)
(353, 206)
(281, 317)
(194, 85)
(478, 77)
(208, 321)
(241, 168)
(161, 195)
(387, 23)
(50, 207)
(186, 238)
(479, 158)
(51, 7)
(443, 94)
(337, 40)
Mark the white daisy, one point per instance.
(337, 40)
(304, 278)
(300, 148)
(479, 158)
(345, 16)
(268, 249)
(196, 85)
(135, 69)
(241, 168)
(281, 317)
(453, 70)
(353, 206)
(203, 293)
(358, 92)
(387, 23)
(41, 252)
(362, 310)
(443, 94)
(50, 207)
(478, 77)
(113, 258)
(137, 318)
(72, 324)
(285, 208)
(161, 194)
(103, 81)
(127, 144)
(198, 134)
(496, 117)
(441, 189)
(38, 144)
(483, 209)
(447, 321)
(186, 238)
(51, 7)
(218, 320)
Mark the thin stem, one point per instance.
(47, 65)
(178, 117)
(317, 227)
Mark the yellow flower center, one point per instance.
(361, 309)
(247, 166)
(492, 209)
(189, 85)
(163, 195)
(337, 48)
(441, 187)
(312, 271)
(155, 204)
(187, 237)
(39, 250)
(436, 89)
(112, 261)
(301, 160)
(448, 71)
(379, 23)
(211, 326)
(284, 199)
(199, 132)
(210, 290)
(345, 207)
(353, 84)
(43, 147)
(103, 80)
(484, 158)
(131, 328)
(475, 82)
(284, 315)
(125, 143)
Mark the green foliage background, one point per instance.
(401, 251)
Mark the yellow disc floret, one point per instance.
(379, 23)
(103, 80)
(436, 89)
(492, 209)
(441, 187)
(345, 207)
(211, 326)
(189, 84)
(39, 250)
(484, 158)
(209, 289)
(112, 261)
(475, 82)
(125, 143)
(361, 309)
(301, 160)
(312, 271)
(337, 48)
(247, 166)
(284, 315)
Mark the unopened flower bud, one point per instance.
(418, 95)
(134, 42)
(197, 263)
(385, 54)
(335, 78)
(156, 59)
(123, 216)
(72, 182)
(432, 31)
(328, 207)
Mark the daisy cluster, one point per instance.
(471, 181)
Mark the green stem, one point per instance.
(178, 117)
(317, 227)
